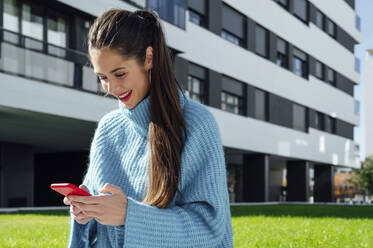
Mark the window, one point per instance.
(319, 121)
(261, 41)
(260, 105)
(319, 20)
(299, 117)
(172, 11)
(232, 96)
(319, 70)
(56, 35)
(233, 26)
(282, 51)
(300, 63)
(330, 76)
(300, 9)
(197, 12)
(329, 124)
(230, 37)
(330, 28)
(231, 103)
(32, 25)
(11, 21)
(283, 3)
(196, 88)
(141, 3)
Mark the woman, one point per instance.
(157, 170)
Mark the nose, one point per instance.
(111, 86)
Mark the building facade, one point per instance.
(278, 77)
(369, 103)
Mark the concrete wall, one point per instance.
(369, 105)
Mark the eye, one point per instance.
(120, 75)
(102, 78)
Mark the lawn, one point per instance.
(253, 226)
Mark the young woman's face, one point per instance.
(123, 78)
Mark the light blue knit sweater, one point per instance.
(119, 155)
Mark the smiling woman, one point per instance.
(123, 78)
(159, 156)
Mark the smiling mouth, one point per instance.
(125, 94)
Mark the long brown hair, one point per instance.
(130, 33)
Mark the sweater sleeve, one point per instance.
(84, 235)
(198, 218)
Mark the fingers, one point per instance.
(85, 199)
(87, 207)
(75, 210)
(66, 201)
(81, 218)
(109, 188)
(83, 187)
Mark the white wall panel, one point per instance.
(21, 93)
(369, 105)
(344, 17)
(310, 38)
(206, 49)
(249, 134)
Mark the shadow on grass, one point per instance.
(347, 212)
(41, 212)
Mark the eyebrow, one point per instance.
(116, 69)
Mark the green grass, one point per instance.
(42, 229)
(302, 226)
(253, 226)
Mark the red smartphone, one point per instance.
(67, 189)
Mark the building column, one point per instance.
(255, 178)
(297, 177)
(181, 71)
(324, 183)
(214, 16)
(16, 175)
(214, 89)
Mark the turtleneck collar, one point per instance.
(139, 116)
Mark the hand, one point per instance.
(106, 209)
(77, 213)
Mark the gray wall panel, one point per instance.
(280, 111)
(181, 71)
(215, 18)
(214, 89)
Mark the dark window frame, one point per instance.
(304, 127)
(266, 105)
(240, 106)
(203, 17)
(327, 79)
(304, 63)
(306, 20)
(327, 23)
(282, 59)
(322, 21)
(321, 76)
(227, 33)
(282, 4)
(266, 40)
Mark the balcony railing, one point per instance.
(35, 59)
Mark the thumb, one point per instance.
(83, 187)
(109, 188)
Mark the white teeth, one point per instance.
(123, 96)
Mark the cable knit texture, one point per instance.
(199, 217)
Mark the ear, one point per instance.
(148, 64)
